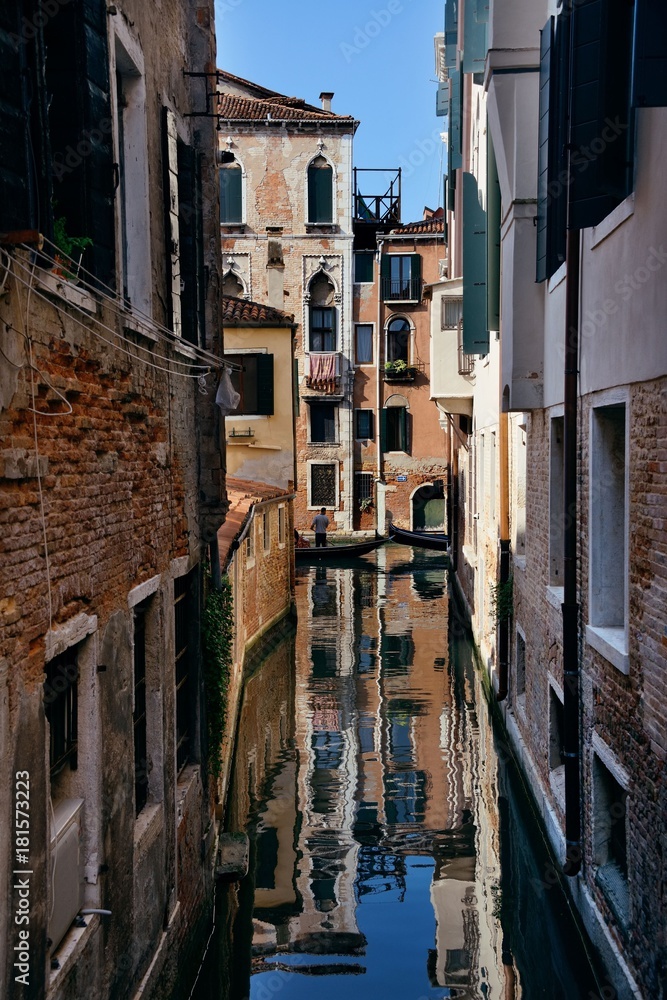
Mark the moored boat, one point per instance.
(331, 552)
(422, 539)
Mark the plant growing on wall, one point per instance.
(502, 602)
(71, 248)
(399, 369)
(217, 641)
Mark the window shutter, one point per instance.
(189, 231)
(402, 421)
(383, 429)
(649, 78)
(454, 139)
(546, 48)
(475, 332)
(265, 383)
(18, 208)
(442, 99)
(601, 120)
(451, 191)
(416, 269)
(173, 252)
(492, 240)
(320, 194)
(451, 33)
(474, 39)
(231, 194)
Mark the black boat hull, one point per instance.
(329, 553)
(421, 539)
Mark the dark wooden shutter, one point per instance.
(265, 392)
(403, 427)
(190, 237)
(601, 124)
(492, 239)
(231, 194)
(383, 429)
(553, 173)
(416, 273)
(451, 33)
(546, 48)
(18, 204)
(320, 193)
(649, 70)
(475, 331)
(474, 39)
(455, 159)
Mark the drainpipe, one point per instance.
(378, 388)
(570, 607)
(504, 532)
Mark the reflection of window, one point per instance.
(323, 423)
(398, 340)
(231, 192)
(364, 425)
(61, 708)
(323, 485)
(320, 191)
(322, 328)
(254, 382)
(363, 267)
(267, 858)
(363, 344)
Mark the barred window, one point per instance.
(452, 313)
(323, 485)
(363, 482)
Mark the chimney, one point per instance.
(325, 98)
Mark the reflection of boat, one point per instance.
(422, 539)
(333, 552)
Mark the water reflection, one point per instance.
(388, 844)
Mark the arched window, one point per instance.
(320, 191)
(231, 190)
(398, 340)
(322, 316)
(394, 430)
(232, 285)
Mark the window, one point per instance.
(139, 713)
(363, 343)
(398, 340)
(323, 491)
(556, 731)
(452, 313)
(320, 192)
(254, 383)
(363, 485)
(401, 277)
(322, 328)
(608, 517)
(610, 854)
(231, 190)
(250, 542)
(266, 530)
(520, 665)
(556, 512)
(394, 430)
(364, 429)
(281, 525)
(61, 709)
(186, 624)
(363, 267)
(323, 423)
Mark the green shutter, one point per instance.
(454, 141)
(451, 33)
(295, 386)
(649, 70)
(482, 11)
(601, 123)
(546, 48)
(383, 429)
(188, 218)
(403, 442)
(18, 208)
(320, 194)
(492, 239)
(474, 39)
(265, 383)
(231, 194)
(475, 331)
(451, 192)
(415, 276)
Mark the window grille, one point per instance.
(323, 485)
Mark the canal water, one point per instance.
(394, 853)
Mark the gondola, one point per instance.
(329, 552)
(422, 539)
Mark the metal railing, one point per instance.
(401, 289)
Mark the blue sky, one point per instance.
(378, 60)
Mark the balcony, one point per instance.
(401, 289)
(399, 371)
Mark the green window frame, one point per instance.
(231, 193)
(320, 192)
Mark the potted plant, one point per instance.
(399, 370)
(365, 504)
(71, 248)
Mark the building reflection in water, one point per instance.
(370, 792)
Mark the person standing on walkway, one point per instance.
(319, 526)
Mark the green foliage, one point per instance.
(217, 640)
(69, 246)
(502, 602)
(365, 504)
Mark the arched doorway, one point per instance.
(428, 507)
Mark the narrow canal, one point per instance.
(393, 851)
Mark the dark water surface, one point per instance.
(393, 851)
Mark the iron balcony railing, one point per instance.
(466, 361)
(401, 289)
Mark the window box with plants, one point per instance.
(399, 371)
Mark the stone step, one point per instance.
(233, 854)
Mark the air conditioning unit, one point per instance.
(65, 868)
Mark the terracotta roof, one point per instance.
(242, 495)
(231, 107)
(240, 81)
(242, 312)
(424, 226)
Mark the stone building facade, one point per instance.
(111, 487)
(586, 720)
(286, 227)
